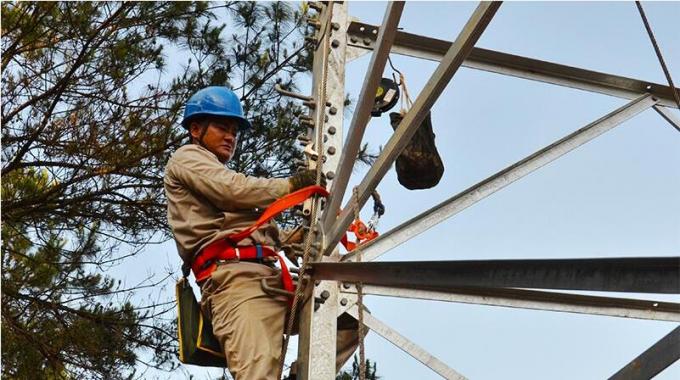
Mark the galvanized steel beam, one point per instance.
(654, 360)
(362, 37)
(466, 198)
(362, 114)
(629, 274)
(442, 75)
(406, 345)
(658, 275)
(535, 300)
(318, 321)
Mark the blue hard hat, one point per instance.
(214, 101)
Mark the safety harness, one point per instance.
(227, 249)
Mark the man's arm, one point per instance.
(200, 172)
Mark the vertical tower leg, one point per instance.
(318, 320)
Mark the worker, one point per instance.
(207, 202)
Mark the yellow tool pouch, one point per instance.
(197, 344)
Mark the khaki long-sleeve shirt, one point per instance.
(207, 201)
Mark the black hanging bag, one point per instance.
(419, 165)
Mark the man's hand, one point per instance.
(291, 251)
(305, 178)
(293, 236)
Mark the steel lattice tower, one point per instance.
(530, 284)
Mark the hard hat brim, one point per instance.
(243, 124)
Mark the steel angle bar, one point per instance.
(629, 274)
(440, 78)
(536, 300)
(466, 198)
(354, 53)
(316, 352)
(406, 345)
(362, 114)
(654, 360)
(514, 65)
(669, 117)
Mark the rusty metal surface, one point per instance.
(654, 360)
(630, 274)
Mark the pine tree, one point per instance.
(92, 99)
(353, 374)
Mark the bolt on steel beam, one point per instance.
(362, 114)
(535, 300)
(461, 47)
(514, 65)
(481, 190)
(318, 321)
(406, 345)
(628, 274)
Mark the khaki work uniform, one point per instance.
(207, 202)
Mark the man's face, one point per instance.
(220, 137)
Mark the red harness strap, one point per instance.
(226, 249)
(206, 262)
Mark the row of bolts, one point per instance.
(305, 140)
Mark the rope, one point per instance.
(315, 204)
(406, 102)
(658, 53)
(360, 298)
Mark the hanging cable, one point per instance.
(658, 53)
(395, 70)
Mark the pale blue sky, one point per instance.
(615, 196)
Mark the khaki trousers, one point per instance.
(249, 323)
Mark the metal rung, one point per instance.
(291, 94)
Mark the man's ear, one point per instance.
(196, 129)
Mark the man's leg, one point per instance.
(247, 322)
